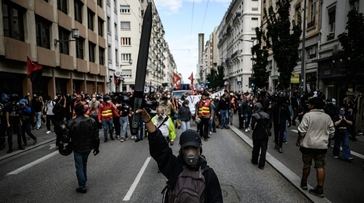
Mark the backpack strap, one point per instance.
(164, 120)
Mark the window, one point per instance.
(125, 41)
(109, 54)
(125, 9)
(297, 14)
(125, 25)
(255, 9)
(332, 12)
(43, 32)
(311, 52)
(115, 30)
(99, 2)
(62, 6)
(90, 19)
(254, 18)
(108, 25)
(101, 56)
(125, 57)
(13, 20)
(63, 40)
(108, 2)
(80, 42)
(115, 7)
(91, 52)
(142, 13)
(312, 14)
(100, 26)
(116, 57)
(78, 10)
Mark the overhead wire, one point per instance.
(204, 16)
(193, 10)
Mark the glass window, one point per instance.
(125, 25)
(126, 41)
(116, 57)
(100, 26)
(80, 47)
(99, 2)
(91, 51)
(332, 13)
(13, 20)
(108, 25)
(63, 40)
(90, 19)
(125, 57)
(62, 6)
(125, 9)
(78, 10)
(43, 32)
(101, 56)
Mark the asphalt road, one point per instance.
(344, 180)
(112, 173)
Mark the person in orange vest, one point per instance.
(205, 112)
(107, 110)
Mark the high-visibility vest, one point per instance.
(204, 108)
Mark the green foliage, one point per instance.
(284, 40)
(216, 78)
(352, 42)
(260, 58)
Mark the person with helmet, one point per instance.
(84, 134)
(188, 171)
(107, 110)
(205, 113)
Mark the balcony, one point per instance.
(46, 57)
(16, 50)
(66, 62)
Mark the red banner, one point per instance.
(32, 67)
(192, 79)
(176, 81)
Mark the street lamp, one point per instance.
(75, 35)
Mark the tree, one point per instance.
(352, 42)
(284, 40)
(260, 58)
(216, 78)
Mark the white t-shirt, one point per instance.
(50, 105)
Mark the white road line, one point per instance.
(136, 181)
(31, 164)
(357, 154)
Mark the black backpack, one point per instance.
(189, 187)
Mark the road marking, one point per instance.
(136, 181)
(52, 146)
(281, 168)
(31, 164)
(357, 154)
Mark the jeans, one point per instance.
(342, 139)
(212, 126)
(81, 167)
(204, 128)
(224, 118)
(185, 125)
(38, 120)
(140, 135)
(247, 117)
(48, 122)
(107, 125)
(124, 126)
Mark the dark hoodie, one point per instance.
(261, 123)
(171, 166)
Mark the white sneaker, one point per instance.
(48, 132)
(210, 133)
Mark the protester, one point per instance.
(314, 131)
(184, 114)
(188, 165)
(25, 112)
(205, 113)
(13, 122)
(84, 134)
(107, 110)
(49, 113)
(165, 124)
(343, 122)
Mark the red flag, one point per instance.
(32, 67)
(176, 80)
(191, 78)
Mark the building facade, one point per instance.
(236, 36)
(42, 30)
(209, 57)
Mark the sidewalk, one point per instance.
(42, 138)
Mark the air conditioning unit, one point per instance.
(117, 73)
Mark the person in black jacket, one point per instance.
(84, 135)
(261, 126)
(189, 158)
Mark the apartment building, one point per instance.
(210, 57)
(236, 36)
(67, 37)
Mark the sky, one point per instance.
(182, 21)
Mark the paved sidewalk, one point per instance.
(42, 138)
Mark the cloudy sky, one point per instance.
(182, 21)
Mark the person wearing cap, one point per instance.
(107, 110)
(205, 113)
(190, 158)
(314, 131)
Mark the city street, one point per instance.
(343, 179)
(117, 174)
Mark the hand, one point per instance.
(171, 142)
(96, 152)
(144, 115)
(8, 124)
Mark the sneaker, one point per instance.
(303, 185)
(280, 150)
(317, 192)
(350, 158)
(210, 133)
(48, 132)
(81, 190)
(122, 140)
(336, 157)
(261, 167)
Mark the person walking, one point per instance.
(26, 121)
(343, 122)
(12, 115)
(314, 131)
(49, 113)
(184, 114)
(165, 124)
(205, 113)
(190, 179)
(261, 126)
(84, 134)
(37, 108)
(107, 111)
(124, 120)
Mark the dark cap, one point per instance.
(190, 138)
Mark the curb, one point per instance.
(7, 156)
(293, 178)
